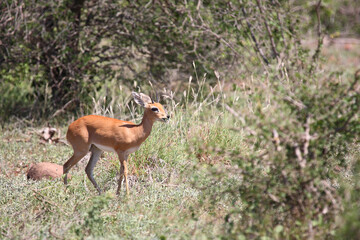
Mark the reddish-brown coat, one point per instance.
(110, 132)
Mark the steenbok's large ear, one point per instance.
(142, 99)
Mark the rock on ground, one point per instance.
(46, 170)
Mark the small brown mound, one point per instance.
(46, 170)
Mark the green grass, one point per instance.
(162, 199)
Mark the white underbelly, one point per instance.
(104, 148)
(131, 150)
(110, 149)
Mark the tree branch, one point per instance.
(257, 47)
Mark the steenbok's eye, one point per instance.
(154, 109)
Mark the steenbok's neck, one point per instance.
(146, 124)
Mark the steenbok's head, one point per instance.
(155, 110)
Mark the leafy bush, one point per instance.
(72, 48)
(298, 134)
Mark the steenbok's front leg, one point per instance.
(123, 172)
(126, 180)
(77, 156)
(120, 178)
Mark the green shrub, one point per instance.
(297, 134)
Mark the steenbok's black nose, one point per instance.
(168, 116)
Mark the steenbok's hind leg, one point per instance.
(95, 156)
(76, 157)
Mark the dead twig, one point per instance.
(257, 47)
(296, 103)
(271, 38)
(169, 185)
(54, 235)
(320, 39)
(307, 136)
(354, 83)
(62, 110)
(276, 140)
(301, 160)
(233, 112)
(41, 198)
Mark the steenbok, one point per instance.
(97, 134)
